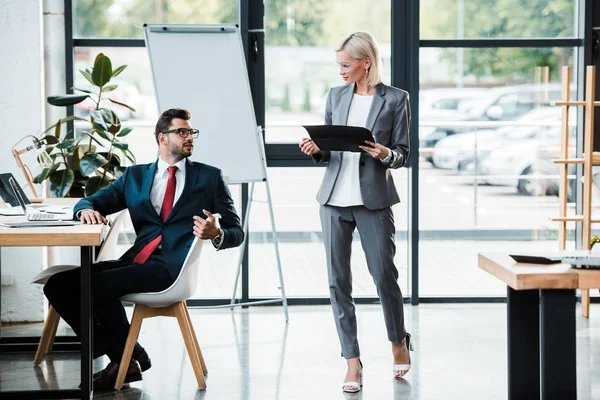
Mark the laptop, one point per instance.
(8, 196)
(589, 261)
(33, 214)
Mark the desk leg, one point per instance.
(86, 322)
(523, 344)
(559, 377)
(0, 293)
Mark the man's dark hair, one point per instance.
(164, 122)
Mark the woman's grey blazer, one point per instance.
(388, 121)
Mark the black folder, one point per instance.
(339, 137)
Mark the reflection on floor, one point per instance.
(253, 355)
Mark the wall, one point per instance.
(33, 45)
(21, 113)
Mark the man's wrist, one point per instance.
(217, 239)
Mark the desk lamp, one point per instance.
(43, 159)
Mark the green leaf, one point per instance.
(67, 99)
(49, 139)
(117, 71)
(124, 132)
(102, 71)
(66, 144)
(85, 148)
(84, 90)
(57, 130)
(61, 182)
(103, 134)
(87, 75)
(121, 146)
(93, 138)
(45, 173)
(64, 120)
(115, 160)
(91, 162)
(129, 156)
(95, 184)
(109, 88)
(122, 104)
(111, 119)
(98, 120)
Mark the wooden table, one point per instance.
(87, 237)
(541, 324)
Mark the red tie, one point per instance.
(165, 210)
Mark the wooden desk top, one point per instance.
(522, 276)
(77, 235)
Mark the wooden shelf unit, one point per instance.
(588, 159)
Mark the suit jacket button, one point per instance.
(362, 163)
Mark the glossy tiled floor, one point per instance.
(253, 355)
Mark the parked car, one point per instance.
(498, 104)
(455, 151)
(529, 165)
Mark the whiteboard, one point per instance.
(202, 68)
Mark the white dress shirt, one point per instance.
(159, 186)
(346, 191)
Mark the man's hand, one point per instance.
(92, 217)
(308, 147)
(206, 228)
(376, 150)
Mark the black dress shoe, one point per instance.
(140, 356)
(108, 376)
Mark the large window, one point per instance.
(299, 65)
(126, 18)
(505, 19)
(301, 36)
(487, 133)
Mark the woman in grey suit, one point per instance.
(358, 191)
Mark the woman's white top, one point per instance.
(346, 190)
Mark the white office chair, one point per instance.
(169, 303)
(108, 251)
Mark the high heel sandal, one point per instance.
(404, 367)
(355, 386)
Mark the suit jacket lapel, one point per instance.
(147, 182)
(345, 105)
(191, 173)
(376, 105)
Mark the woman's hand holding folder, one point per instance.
(308, 147)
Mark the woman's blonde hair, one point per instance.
(361, 45)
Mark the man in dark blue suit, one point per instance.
(170, 201)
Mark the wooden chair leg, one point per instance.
(54, 329)
(202, 363)
(180, 313)
(134, 330)
(585, 303)
(48, 334)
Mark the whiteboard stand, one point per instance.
(283, 298)
(203, 88)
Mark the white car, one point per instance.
(527, 165)
(455, 151)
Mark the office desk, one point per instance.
(87, 237)
(541, 324)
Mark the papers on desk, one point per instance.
(577, 258)
(59, 212)
(11, 211)
(37, 224)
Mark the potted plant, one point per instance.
(83, 165)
